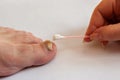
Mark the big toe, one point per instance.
(47, 52)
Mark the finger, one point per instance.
(102, 13)
(107, 33)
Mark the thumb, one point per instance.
(107, 33)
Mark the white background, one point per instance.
(75, 60)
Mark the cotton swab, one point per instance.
(58, 36)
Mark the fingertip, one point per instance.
(90, 30)
(87, 39)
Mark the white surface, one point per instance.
(75, 60)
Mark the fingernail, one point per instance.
(104, 43)
(49, 45)
(87, 39)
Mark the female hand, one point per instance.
(105, 22)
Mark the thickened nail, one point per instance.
(49, 45)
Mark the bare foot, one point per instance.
(20, 49)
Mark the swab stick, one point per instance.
(58, 36)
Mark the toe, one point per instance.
(47, 52)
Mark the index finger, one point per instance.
(102, 13)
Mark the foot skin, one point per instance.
(20, 49)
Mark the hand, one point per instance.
(105, 22)
(19, 49)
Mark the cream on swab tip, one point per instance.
(58, 36)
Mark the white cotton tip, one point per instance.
(57, 37)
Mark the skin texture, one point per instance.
(20, 49)
(104, 25)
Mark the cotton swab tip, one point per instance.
(57, 37)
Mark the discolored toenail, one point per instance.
(49, 45)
